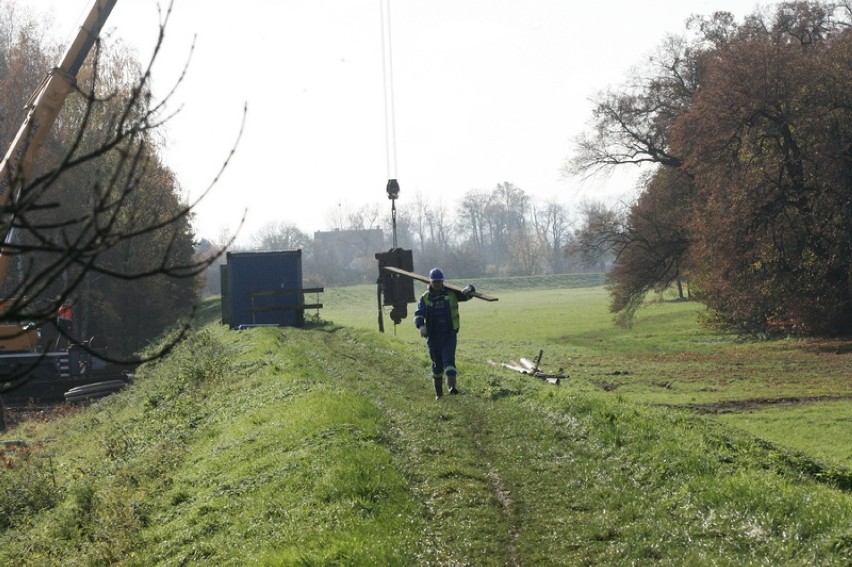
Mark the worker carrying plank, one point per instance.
(437, 317)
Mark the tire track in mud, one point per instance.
(498, 485)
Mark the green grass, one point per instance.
(667, 358)
(821, 430)
(324, 446)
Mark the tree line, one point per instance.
(487, 233)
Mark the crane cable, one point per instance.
(390, 136)
(387, 80)
(390, 112)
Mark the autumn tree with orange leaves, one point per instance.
(749, 126)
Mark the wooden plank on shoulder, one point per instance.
(424, 279)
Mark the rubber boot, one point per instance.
(451, 383)
(439, 387)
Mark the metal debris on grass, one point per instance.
(527, 366)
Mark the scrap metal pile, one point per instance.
(527, 366)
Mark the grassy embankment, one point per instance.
(324, 445)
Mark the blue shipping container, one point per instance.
(263, 288)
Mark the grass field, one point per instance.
(793, 392)
(668, 444)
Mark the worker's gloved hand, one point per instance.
(424, 332)
(468, 289)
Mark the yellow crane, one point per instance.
(42, 109)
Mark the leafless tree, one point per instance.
(279, 235)
(552, 225)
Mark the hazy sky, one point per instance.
(485, 91)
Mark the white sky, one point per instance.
(485, 91)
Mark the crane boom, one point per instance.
(42, 109)
(47, 100)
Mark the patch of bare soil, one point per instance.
(734, 406)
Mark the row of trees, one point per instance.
(100, 222)
(748, 127)
(501, 232)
